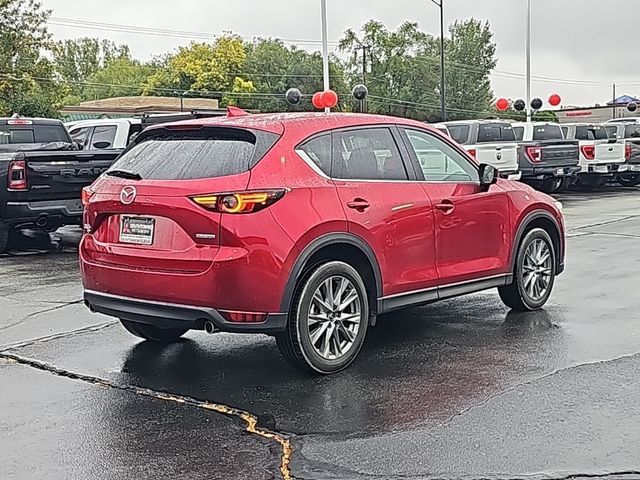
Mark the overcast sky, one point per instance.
(588, 44)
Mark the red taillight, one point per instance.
(472, 152)
(241, 202)
(243, 317)
(86, 195)
(534, 154)
(17, 175)
(627, 151)
(589, 151)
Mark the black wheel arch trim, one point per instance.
(526, 221)
(315, 246)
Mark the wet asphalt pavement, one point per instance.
(459, 389)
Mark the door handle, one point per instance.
(359, 204)
(446, 206)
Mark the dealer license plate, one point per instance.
(137, 230)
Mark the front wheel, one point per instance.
(328, 320)
(153, 333)
(534, 274)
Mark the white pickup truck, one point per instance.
(601, 157)
(489, 141)
(104, 133)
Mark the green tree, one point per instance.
(77, 60)
(200, 67)
(121, 77)
(273, 68)
(470, 58)
(27, 83)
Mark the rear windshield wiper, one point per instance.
(124, 174)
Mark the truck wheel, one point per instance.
(534, 273)
(590, 182)
(152, 333)
(4, 238)
(564, 184)
(551, 185)
(328, 320)
(629, 180)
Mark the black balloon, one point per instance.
(632, 106)
(536, 104)
(519, 105)
(293, 96)
(360, 92)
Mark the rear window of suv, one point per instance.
(184, 154)
(495, 132)
(547, 132)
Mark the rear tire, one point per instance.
(629, 180)
(534, 274)
(153, 333)
(590, 182)
(551, 185)
(564, 184)
(328, 320)
(4, 238)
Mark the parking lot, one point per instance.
(461, 388)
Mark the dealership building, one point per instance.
(599, 113)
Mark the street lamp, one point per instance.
(443, 107)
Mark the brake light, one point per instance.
(17, 177)
(627, 151)
(472, 152)
(589, 151)
(86, 195)
(534, 154)
(241, 202)
(19, 122)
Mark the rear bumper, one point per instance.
(542, 173)
(169, 315)
(47, 212)
(606, 168)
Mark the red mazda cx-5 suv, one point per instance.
(306, 227)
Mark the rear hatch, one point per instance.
(143, 212)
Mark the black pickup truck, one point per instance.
(42, 173)
(630, 133)
(546, 159)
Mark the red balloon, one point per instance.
(329, 99)
(317, 100)
(555, 99)
(502, 104)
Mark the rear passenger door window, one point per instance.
(367, 154)
(104, 136)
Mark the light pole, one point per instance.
(325, 48)
(443, 104)
(528, 61)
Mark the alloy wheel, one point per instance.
(537, 269)
(334, 317)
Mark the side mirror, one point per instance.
(488, 175)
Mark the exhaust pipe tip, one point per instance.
(210, 328)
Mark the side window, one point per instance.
(367, 154)
(439, 161)
(318, 150)
(460, 133)
(565, 132)
(80, 135)
(519, 133)
(104, 136)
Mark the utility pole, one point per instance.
(528, 62)
(363, 103)
(443, 102)
(613, 102)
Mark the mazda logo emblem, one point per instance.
(128, 195)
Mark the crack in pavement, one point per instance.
(599, 224)
(40, 312)
(55, 336)
(250, 420)
(529, 382)
(624, 235)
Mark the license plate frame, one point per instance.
(137, 230)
